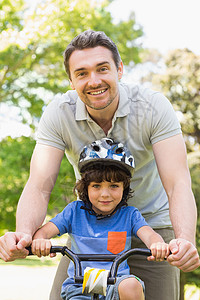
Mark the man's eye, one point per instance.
(103, 69)
(81, 74)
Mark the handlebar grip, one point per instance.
(54, 249)
(30, 251)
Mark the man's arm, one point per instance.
(32, 206)
(171, 159)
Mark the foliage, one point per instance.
(15, 155)
(32, 43)
(181, 84)
(10, 14)
(194, 165)
(14, 163)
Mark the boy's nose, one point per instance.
(105, 192)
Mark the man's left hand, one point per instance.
(184, 255)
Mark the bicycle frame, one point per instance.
(115, 259)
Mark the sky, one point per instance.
(167, 25)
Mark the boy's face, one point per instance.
(105, 196)
(95, 77)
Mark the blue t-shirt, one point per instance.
(110, 235)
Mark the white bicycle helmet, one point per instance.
(106, 152)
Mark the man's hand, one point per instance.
(12, 245)
(184, 255)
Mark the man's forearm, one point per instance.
(31, 209)
(183, 213)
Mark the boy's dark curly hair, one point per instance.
(98, 174)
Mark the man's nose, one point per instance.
(94, 80)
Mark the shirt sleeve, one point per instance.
(164, 122)
(50, 130)
(138, 221)
(64, 220)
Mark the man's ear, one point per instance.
(120, 70)
(72, 86)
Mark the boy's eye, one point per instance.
(114, 186)
(96, 186)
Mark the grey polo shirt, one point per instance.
(143, 118)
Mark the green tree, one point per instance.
(181, 84)
(15, 155)
(194, 165)
(32, 43)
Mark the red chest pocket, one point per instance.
(116, 241)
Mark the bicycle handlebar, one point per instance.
(77, 258)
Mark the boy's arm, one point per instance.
(153, 241)
(47, 231)
(41, 244)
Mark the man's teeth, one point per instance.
(97, 93)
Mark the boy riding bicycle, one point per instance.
(101, 221)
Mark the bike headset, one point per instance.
(106, 152)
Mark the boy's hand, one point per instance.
(160, 251)
(41, 247)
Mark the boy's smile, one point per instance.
(105, 196)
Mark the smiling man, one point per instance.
(100, 106)
(94, 75)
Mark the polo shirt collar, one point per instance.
(81, 111)
(122, 111)
(124, 105)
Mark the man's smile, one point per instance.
(99, 92)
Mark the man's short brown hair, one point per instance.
(90, 39)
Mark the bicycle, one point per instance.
(78, 258)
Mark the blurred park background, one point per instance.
(33, 36)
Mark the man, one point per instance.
(145, 122)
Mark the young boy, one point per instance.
(101, 221)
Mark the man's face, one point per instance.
(95, 77)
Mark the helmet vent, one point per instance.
(119, 150)
(109, 142)
(96, 148)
